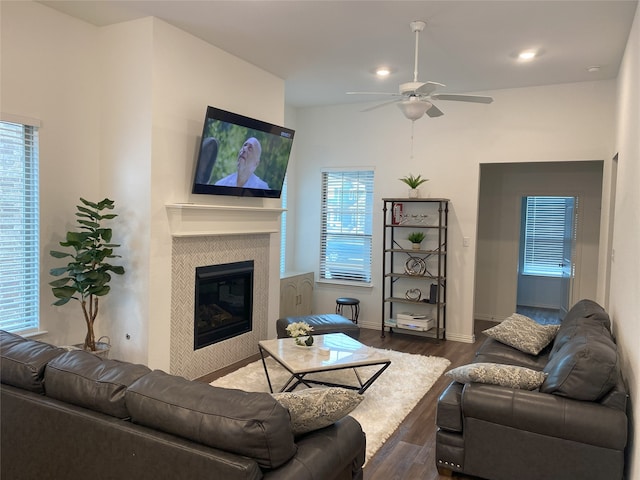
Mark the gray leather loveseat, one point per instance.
(73, 415)
(573, 426)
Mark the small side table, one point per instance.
(354, 303)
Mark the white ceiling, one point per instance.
(323, 49)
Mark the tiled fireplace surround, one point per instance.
(197, 242)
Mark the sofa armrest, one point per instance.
(335, 452)
(546, 414)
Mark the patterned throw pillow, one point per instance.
(316, 408)
(523, 333)
(498, 374)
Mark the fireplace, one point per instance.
(223, 306)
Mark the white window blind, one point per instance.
(347, 206)
(19, 224)
(546, 225)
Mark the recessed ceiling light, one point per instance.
(527, 55)
(593, 69)
(383, 71)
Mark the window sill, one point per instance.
(344, 283)
(32, 334)
(545, 275)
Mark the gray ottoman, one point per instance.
(324, 323)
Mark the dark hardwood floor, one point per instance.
(409, 454)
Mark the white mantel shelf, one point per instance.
(194, 220)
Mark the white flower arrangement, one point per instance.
(301, 329)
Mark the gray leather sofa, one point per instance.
(73, 415)
(573, 427)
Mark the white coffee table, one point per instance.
(333, 351)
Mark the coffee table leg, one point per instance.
(266, 372)
(373, 378)
(299, 378)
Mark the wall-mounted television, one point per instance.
(241, 156)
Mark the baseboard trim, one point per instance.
(491, 317)
(456, 337)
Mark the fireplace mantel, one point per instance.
(192, 220)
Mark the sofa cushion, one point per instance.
(493, 351)
(523, 333)
(23, 361)
(511, 376)
(586, 308)
(585, 317)
(315, 408)
(84, 379)
(246, 423)
(586, 368)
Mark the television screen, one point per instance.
(241, 156)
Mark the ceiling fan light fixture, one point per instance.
(527, 55)
(414, 109)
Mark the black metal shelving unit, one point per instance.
(410, 273)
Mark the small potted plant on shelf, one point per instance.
(88, 272)
(416, 239)
(413, 182)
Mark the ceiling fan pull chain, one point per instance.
(413, 122)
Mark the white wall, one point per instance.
(50, 71)
(122, 110)
(188, 75)
(126, 135)
(624, 302)
(554, 123)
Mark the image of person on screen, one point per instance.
(208, 156)
(248, 160)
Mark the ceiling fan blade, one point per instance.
(428, 88)
(462, 98)
(396, 94)
(383, 104)
(434, 111)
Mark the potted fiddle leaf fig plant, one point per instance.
(413, 182)
(86, 275)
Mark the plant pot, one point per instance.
(414, 193)
(102, 348)
(416, 246)
(304, 342)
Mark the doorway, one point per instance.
(546, 260)
(502, 187)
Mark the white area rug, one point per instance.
(386, 403)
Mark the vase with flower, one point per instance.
(301, 332)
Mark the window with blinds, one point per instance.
(347, 206)
(19, 243)
(547, 232)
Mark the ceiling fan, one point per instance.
(416, 96)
